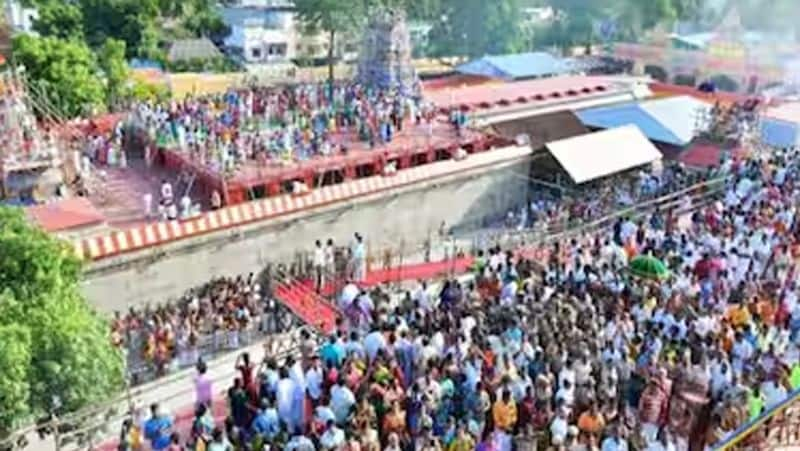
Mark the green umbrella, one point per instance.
(648, 267)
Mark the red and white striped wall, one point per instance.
(159, 233)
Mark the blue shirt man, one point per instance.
(158, 429)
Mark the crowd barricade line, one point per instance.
(209, 346)
(100, 417)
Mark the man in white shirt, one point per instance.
(186, 207)
(342, 399)
(566, 394)
(332, 438)
(558, 429)
(147, 202)
(314, 380)
(423, 297)
(358, 255)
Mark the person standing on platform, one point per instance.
(358, 257)
(147, 203)
(216, 200)
(166, 192)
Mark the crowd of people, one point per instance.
(222, 315)
(574, 353)
(282, 123)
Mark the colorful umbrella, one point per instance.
(648, 267)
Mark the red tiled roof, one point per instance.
(66, 214)
(540, 90)
(454, 82)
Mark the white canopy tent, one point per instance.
(595, 155)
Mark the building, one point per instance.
(267, 32)
(19, 17)
(261, 34)
(520, 66)
(732, 58)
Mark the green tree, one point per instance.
(147, 92)
(15, 358)
(206, 23)
(132, 21)
(64, 70)
(473, 28)
(112, 61)
(49, 335)
(329, 16)
(60, 19)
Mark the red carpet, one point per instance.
(309, 306)
(429, 270)
(301, 298)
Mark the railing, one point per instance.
(443, 247)
(87, 427)
(277, 319)
(777, 427)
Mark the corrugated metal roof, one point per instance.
(515, 66)
(189, 49)
(671, 120)
(679, 114)
(629, 114)
(604, 153)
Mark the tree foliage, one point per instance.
(66, 71)
(331, 17)
(52, 344)
(115, 67)
(580, 22)
(126, 20)
(59, 19)
(474, 28)
(15, 354)
(143, 91)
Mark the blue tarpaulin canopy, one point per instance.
(778, 133)
(516, 66)
(671, 120)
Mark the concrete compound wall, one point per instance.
(408, 214)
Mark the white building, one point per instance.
(269, 33)
(261, 35)
(19, 18)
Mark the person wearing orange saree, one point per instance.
(395, 421)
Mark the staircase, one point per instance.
(307, 304)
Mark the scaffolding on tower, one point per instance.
(37, 144)
(385, 60)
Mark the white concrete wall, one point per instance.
(411, 214)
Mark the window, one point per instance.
(255, 53)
